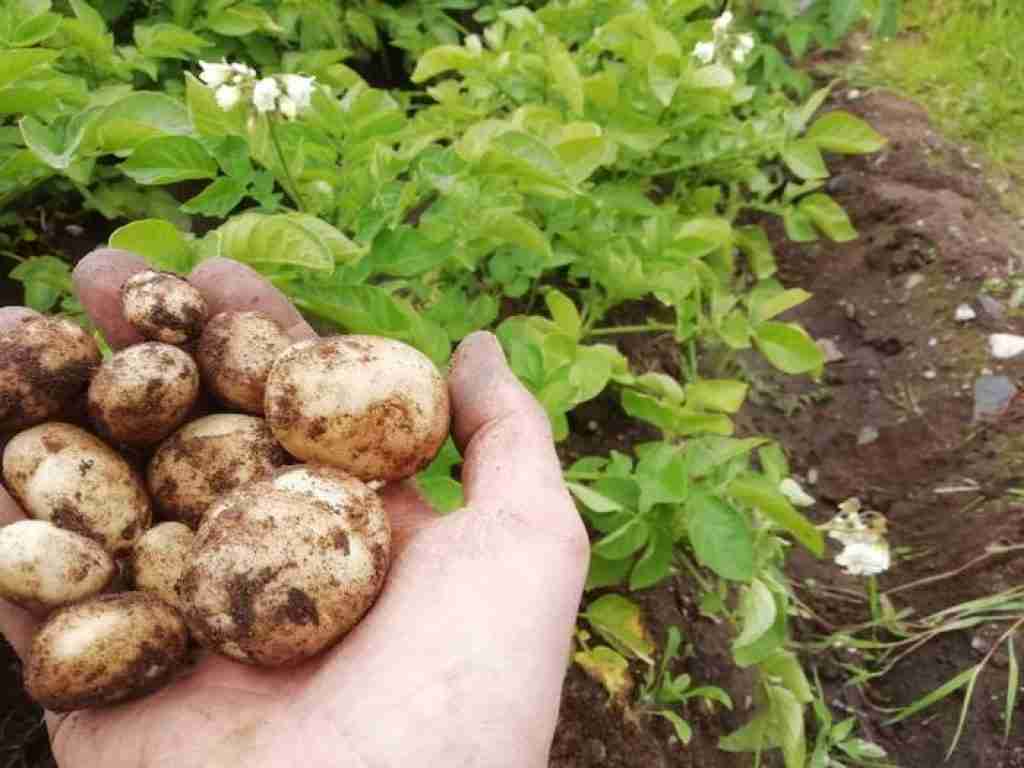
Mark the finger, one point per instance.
(11, 316)
(98, 279)
(408, 512)
(505, 438)
(16, 625)
(227, 284)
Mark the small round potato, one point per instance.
(65, 475)
(43, 567)
(374, 407)
(159, 559)
(105, 650)
(236, 352)
(44, 363)
(283, 568)
(143, 393)
(163, 307)
(207, 458)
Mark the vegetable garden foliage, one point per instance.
(579, 144)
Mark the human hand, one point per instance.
(461, 660)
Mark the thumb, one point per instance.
(505, 437)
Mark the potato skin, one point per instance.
(235, 354)
(63, 474)
(141, 394)
(44, 363)
(105, 650)
(159, 558)
(43, 567)
(207, 458)
(163, 307)
(283, 568)
(374, 407)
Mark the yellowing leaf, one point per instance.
(618, 621)
(609, 668)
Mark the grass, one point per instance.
(959, 59)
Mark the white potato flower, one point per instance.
(793, 491)
(745, 42)
(722, 23)
(704, 52)
(864, 558)
(286, 106)
(299, 89)
(227, 96)
(473, 44)
(265, 93)
(214, 74)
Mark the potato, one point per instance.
(283, 568)
(44, 363)
(207, 458)
(373, 407)
(105, 650)
(65, 475)
(163, 307)
(159, 558)
(235, 354)
(43, 567)
(143, 393)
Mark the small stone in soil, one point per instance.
(964, 313)
(1005, 345)
(992, 394)
(867, 435)
(929, 374)
(991, 307)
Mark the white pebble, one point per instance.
(964, 313)
(1006, 345)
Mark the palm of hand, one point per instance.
(461, 660)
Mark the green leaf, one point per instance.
(721, 537)
(754, 244)
(606, 573)
(844, 134)
(803, 157)
(682, 728)
(765, 498)
(35, 30)
(1012, 686)
(725, 395)
(785, 667)
(607, 667)
(240, 20)
(278, 239)
(788, 720)
(169, 159)
(618, 620)
(562, 68)
(444, 493)
(771, 302)
(757, 613)
(829, 217)
(625, 541)
(362, 26)
(773, 462)
(593, 500)
(46, 280)
(655, 563)
(563, 312)
(16, 64)
(128, 122)
(208, 118)
(157, 241)
(511, 228)
(168, 41)
(406, 252)
(843, 14)
(441, 59)
(218, 199)
(887, 18)
(789, 348)
(709, 453)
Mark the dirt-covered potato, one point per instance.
(65, 475)
(43, 567)
(159, 558)
(143, 393)
(44, 363)
(207, 458)
(236, 352)
(283, 568)
(371, 406)
(163, 307)
(105, 650)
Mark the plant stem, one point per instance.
(646, 328)
(293, 189)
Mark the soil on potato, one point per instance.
(891, 423)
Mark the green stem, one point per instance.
(293, 188)
(646, 328)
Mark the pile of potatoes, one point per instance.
(259, 457)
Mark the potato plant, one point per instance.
(544, 165)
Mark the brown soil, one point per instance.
(931, 233)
